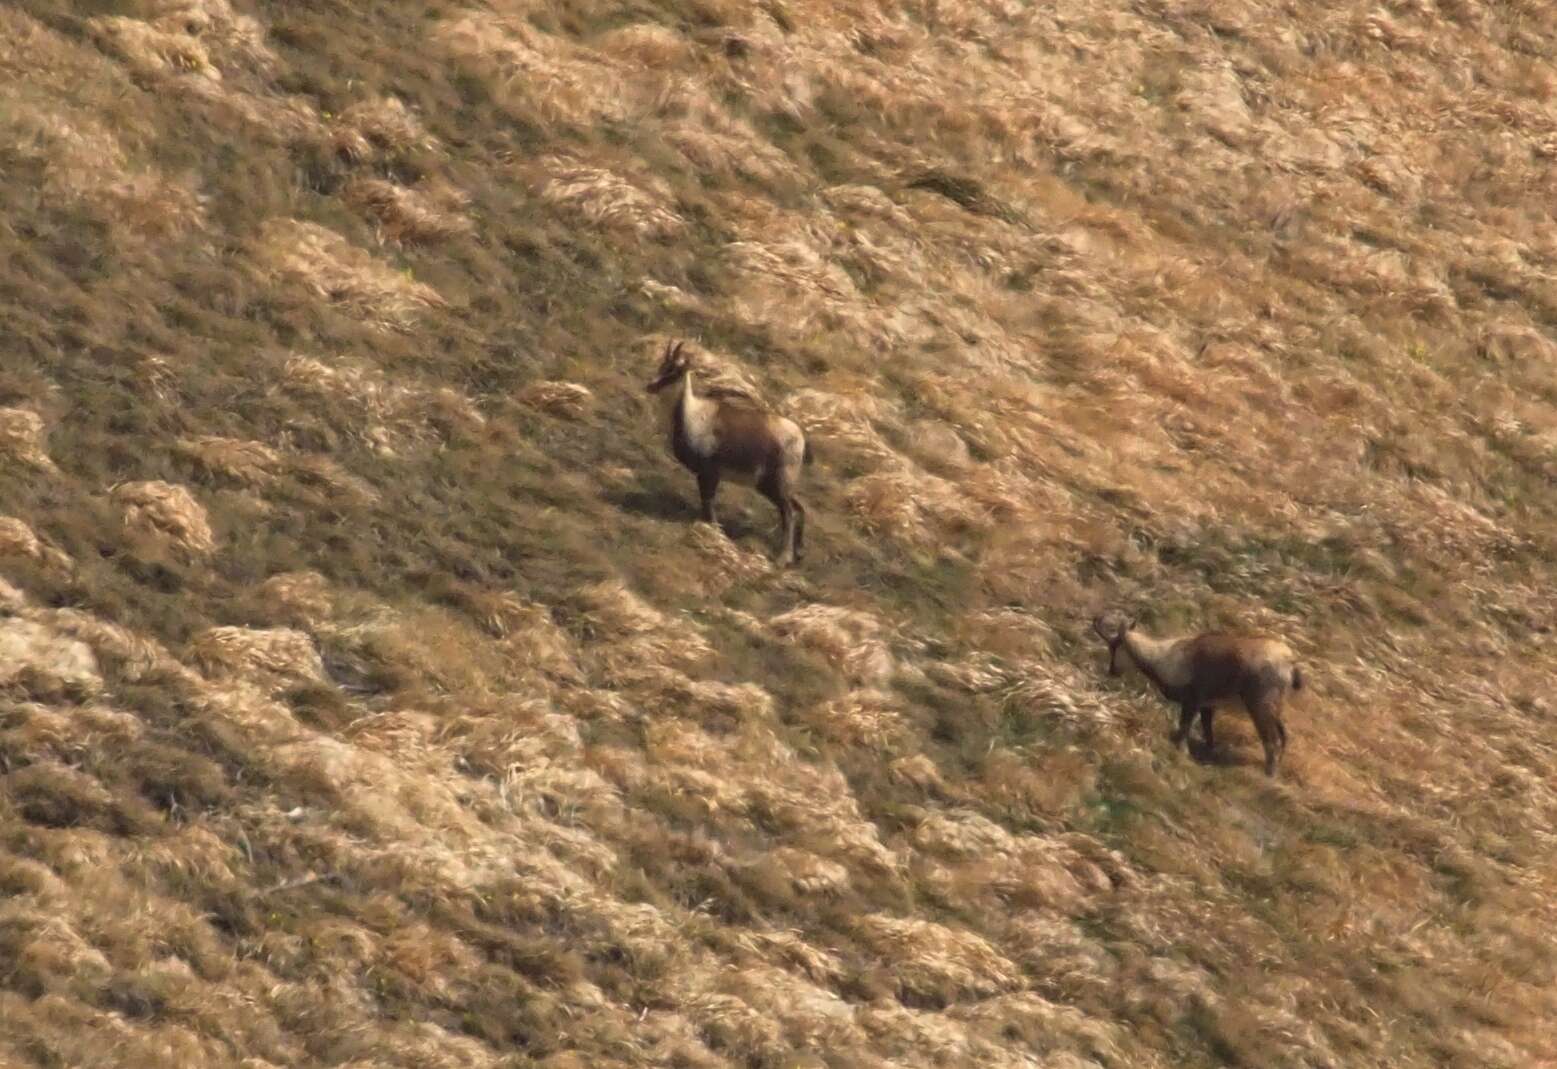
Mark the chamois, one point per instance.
(719, 438)
(1195, 672)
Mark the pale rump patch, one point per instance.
(793, 442)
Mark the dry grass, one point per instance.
(418, 214)
(22, 438)
(369, 695)
(160, 516)
(608, 200)
(19, 540)
(331, 269)
(567, 399)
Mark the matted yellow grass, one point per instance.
(370, 694)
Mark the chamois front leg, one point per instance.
(707, 487)
(1206, 713)
(1186, 718)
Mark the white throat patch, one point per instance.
(697, 417)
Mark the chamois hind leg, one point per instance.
(1206, 713)
(707, 487)
(800, 525)
(788, 517)
(774, 489)
(1266, 713)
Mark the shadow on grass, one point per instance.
(676, 508)
(653, 504)
(1222, 755)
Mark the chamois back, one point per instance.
(1225, 664)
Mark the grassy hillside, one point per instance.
(369, 697)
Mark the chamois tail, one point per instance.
(1297, 678)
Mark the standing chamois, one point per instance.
(1198, 671)
(722, 437)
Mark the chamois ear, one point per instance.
(1129, 624)
(675, 352)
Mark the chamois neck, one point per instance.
(670, 398)
(1153, 656)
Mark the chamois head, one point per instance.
(1112, 627)
(674, 365)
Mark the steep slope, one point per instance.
(368, 696)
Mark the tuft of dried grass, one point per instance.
(847, 422)
(379, 128)
(919, 771)
(159, 516)
(45, 661)
(566, 399)
(302, 596)
(638, 638)
(19, 540)
(212, 23)
(913, 506)
(85, 162)
(207, 53)
(429, 212)
(154, 50)
(22, 438)
(251, 463)
(863, 717)
(610, 201)
(719, 374)
(331, 268)
(538, 76)
(933, 961)
(390, 416)
(797, 873)
(539, 642)
(849, 638)
(647, 43)
(727, 563)
(279, 656)
(1042, 691)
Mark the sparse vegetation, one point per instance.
(367, 697)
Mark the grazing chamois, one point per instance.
(723, 437)
(1196, 672)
